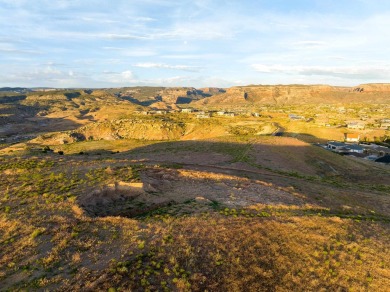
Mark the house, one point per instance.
(349, 137)
(371, 157)
(344, 148)
(220, 113)
(229, 114)
(354, 148)
(336, 146)
(203, 116)
(295, 117)
(186, 110)
(385, 126)
(341, 109)
(356, 125)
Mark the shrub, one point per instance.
(37, 232)
(47, 148)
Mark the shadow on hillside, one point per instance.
(17, 112)
(12, 98)
(71, 95)
(287, 175)
(138, 102)
(297, 160)
(11, 133)
(268, 172)
(309, 138)
(23, 121)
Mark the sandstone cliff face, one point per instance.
(375, 87)
(299, 94)
(149, 96)
(179, 95)
(286, 94)
(269, 94)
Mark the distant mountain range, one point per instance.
(161, 97)
(15, 89)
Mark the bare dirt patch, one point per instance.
(120, 199)
(182, 192)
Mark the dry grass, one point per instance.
(102, 146)
(295, 231)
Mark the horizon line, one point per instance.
(180, 86)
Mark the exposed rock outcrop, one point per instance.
(299, 94)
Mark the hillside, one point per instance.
(57, 110)
(301, 94)
(151, 96)
(156, 128)
(263, 213)
(102, 192)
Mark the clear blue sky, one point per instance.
(113, 43)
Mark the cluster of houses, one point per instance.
(200, 114)
(361, 125)
(356, 125)
(351, 146)
(334, 117)
(383, 124)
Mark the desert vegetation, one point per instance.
(107, 198)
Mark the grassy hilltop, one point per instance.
(97, 195)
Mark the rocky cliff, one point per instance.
(299, 94)
(169, 95)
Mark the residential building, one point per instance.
(354, 148)
(385, 126)
(336, 146)
(295, 117)
(203, 116)
(356, 125)
(341, 147)
(351, 137)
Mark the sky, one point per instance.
(199, 43)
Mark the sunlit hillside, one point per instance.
(101, 193)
